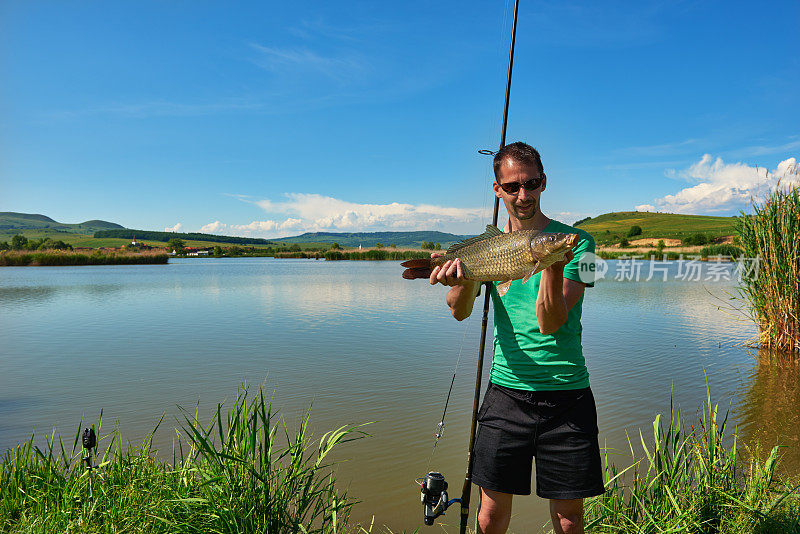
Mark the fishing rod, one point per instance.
(434, 486)
(467, 488)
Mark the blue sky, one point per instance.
(270, 119)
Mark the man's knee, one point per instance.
(495, 512)
(567, 515)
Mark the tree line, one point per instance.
(20, 242)
(151, 235)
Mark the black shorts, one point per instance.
(558, 428)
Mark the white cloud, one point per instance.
(724, 186)
(176, 228)
(343, 68)
(213, 228)
(663, 149)
(301, 212)
(321, 213)
(645, 207)
(772, 149)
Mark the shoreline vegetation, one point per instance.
(695, 478)
(48, 258)
(773, 235)
(244, 470)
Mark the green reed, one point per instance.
(376, 255)
(14, 258)
(772, 234)
(242, 472)
(694, 481)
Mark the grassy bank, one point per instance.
(377, 254)
(229, 476)
(695, 480)
(373, 254)
(772, 234)
(723, 252)
(19, 258)
(244, 472)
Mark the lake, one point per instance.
(355, 343)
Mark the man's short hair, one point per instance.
(521, 153)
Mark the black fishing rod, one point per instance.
(467, 489)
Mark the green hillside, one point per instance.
(368, 239)
(10, 221)
(611, 227)
(127, 233)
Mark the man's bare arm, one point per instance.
(557, 295)
(461, 297)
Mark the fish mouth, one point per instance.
(572, 240)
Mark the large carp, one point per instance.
(497, 256)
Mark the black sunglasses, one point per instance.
(512, 188)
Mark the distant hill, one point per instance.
(369, 239)
(150, 235)
(111, 234)
(611, 227)
(10, 220)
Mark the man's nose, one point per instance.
(522, 194)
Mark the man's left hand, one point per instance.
(559, 265)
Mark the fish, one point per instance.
(499, 256)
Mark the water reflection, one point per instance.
(769, 411)
(361, 344)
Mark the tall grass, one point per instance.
(242, 472)
(772, 234)
(694, 481)
(376, 254)
(15, 258)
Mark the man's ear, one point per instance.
(496, 188)
(544, 181)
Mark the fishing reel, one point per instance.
(434, 496)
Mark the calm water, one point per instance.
(357, 343)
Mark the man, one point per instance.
(538, 403)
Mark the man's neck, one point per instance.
(538, 222)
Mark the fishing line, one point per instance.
(440, 425)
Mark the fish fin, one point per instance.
(502, 289)
(491, 231)
(534, 271)
(414, 273)
(416, 264)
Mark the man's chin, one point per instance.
(526, 214)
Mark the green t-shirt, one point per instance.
(526, 359)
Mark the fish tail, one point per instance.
(420, 268)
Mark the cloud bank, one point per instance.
(176, 228)
(301, 212)
(723, 187)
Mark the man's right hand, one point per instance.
(462, 295)
(449, 274)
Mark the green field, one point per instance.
(611, 227)
(84, 240)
